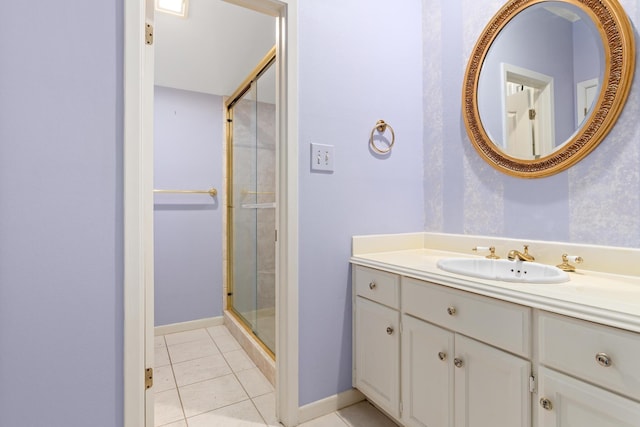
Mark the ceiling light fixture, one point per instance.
(173, 7)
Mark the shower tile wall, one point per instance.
(267, 217)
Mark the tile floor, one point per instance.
(203, 378)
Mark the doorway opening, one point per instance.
(138, 206)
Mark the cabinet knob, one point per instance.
(451, 311)
(442, 355)
(603, 360)
(546, 404)
(457, 362)
(389, 330)
(372, 285)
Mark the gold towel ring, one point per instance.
(381, 127)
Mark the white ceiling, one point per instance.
(213, 49)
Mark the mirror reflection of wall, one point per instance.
(551, 39)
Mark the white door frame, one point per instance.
(138, 207)
(581, 99)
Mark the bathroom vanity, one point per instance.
(433, 348)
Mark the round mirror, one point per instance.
(545, 83)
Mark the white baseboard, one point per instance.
(188, 326)
(328, 405)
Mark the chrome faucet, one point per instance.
(517, 255)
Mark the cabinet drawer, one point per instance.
(582, 349)
(495, 322)
(378, 286)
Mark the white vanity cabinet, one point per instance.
(474, 352)
(574, 353)
(376, 369)
(450, 379)
(445, 364)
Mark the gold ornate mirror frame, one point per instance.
(619, 54)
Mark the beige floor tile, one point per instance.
(160, 357)
(192, 350)
(266, 405)
(238, 360)
(254, 382)
(226, 343)
(204, 368)
(182, 423)
(163, 379)
(331, 420)
(167, 408)
(186, 336)
(212, 394)
(216, 331)
(159, 341)
(242, 414)
(364, 414)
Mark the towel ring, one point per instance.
(381, 127)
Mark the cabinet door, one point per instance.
(491, 386)
(377, 353)
(427, 374)
(569, 402)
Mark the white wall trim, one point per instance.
(287, 384)
(329, 404)
(188, 326)
(134, 292)
(138, 213)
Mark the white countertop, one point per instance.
(601, 297)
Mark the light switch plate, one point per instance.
(322, 157)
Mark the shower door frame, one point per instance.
(138, 207)
(269, 60)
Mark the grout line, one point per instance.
(184, 416)
(258, 411)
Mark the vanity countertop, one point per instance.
(603, 297)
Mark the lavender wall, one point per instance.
(587, 52)
(188, 138)
(61, 184)
(366, 65)
(597, 201)
(61, 248)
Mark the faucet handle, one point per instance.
(565, 266)
(491, 249)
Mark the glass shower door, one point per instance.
(252, 206)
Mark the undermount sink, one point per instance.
(504, 270)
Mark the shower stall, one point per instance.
(251, 202)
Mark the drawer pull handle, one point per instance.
(372, 285)
(451, 311)
(458, 362)
(389, 330)
(546, 404)
(603, 360)
(442, 355)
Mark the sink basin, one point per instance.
(504, 270)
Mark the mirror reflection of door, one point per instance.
(521, 133)
(528, 119)
(586, 93)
